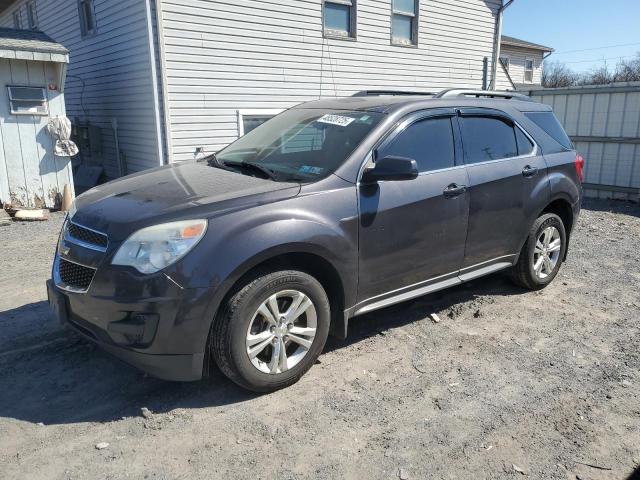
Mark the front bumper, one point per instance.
(161, 330)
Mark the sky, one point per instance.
(602, 30)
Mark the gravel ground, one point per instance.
(508, 384)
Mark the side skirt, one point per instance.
(429, 286)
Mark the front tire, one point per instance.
(272, 330)
(542, 253)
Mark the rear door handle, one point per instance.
(529, 171)
(454, 190)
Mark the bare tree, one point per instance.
(628, 70)
(556, 74)
(598, 76)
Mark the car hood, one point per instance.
(173, 192)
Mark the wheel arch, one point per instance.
(560, 206)
(302, 257)
(312, 263)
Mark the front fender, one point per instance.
(322, 224)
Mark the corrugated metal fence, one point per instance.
(604, 123)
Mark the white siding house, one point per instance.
(523, 60)
(182, 75)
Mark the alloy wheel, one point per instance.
(547, 252)
(281, 331)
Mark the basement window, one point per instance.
(87, 18)
(340, 18)
(251, 119)
(28, 101)
(32, 15)
(404, 22)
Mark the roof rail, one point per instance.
(459, 92)
(374, 93)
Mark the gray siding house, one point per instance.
(155, 81)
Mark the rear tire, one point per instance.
(260, 341)
(542, 253)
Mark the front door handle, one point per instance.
(454, 190)
(529, 171)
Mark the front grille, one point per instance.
(74, 275)
(87, 236)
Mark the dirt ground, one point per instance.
(508, 384)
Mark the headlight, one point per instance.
(154, 248)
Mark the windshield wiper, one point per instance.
(253, 166)
(211, 159)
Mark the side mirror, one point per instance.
(391, 168)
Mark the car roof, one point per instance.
(398, 103)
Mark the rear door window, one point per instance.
(550, 124)
(429, 142)
(487, 138)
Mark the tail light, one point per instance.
(580, 167)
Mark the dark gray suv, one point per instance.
(251, 258)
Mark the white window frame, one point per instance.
(264, 112)
(506, 62)
(32, 14)
(340, 34)
(45, 103)
(84, 28)
(17, 20)
(526, 60)
(403, 42)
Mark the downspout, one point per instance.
(154, 81)
(496, 44)
(164, 82)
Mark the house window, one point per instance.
(528, 70)
(404, 22)
(87, 17)
(32, 15)
(17, 21)
(505, 62)
(250, 119)
(28, 101)
(340, 18)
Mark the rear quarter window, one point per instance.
(550, 124)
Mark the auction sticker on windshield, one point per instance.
(338, 120)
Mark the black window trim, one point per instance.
(352, 34)
(402, 124)
(490, 113)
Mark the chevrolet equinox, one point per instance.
(250, 258)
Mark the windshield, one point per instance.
(300, 144)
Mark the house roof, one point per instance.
(516, 42)
(29, 41)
